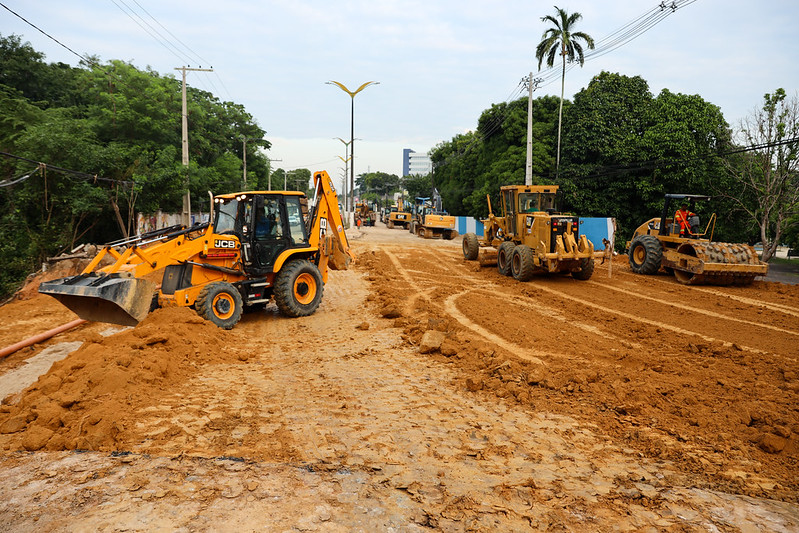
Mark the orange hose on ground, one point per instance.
(8, 350)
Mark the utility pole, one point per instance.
(532, 84)
(185, 142)
(270, 172)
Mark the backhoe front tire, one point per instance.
(471, 246)
(646, 254)
(522, 265)
(504, 255)
(220, 303)
(298, 288)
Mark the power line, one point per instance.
(616, 39)
(78, 173)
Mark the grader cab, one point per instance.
(532, 236)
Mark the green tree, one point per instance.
(418, 186)
(562, 40)
(624, 149)
(769, 175)
(377, 186)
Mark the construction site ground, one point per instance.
(425, 393)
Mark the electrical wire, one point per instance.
(77, 173)
(614, 40)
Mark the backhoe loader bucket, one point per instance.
(113, 298)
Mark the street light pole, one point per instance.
(346, 159)
(352, 131)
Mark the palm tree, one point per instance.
(561, 39)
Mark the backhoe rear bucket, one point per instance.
(112, 298)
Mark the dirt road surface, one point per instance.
(425, 393)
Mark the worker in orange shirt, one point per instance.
(681, 218)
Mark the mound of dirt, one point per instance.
(89, 400)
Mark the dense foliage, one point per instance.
(119, 127)
(623, 149)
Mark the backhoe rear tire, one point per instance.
(646, 254)
(522, 263)
(471, 246)
(220, 302)
(298, 288)
(504, 255)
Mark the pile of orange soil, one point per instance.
(89, 400)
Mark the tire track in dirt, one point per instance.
(671, 283)
(582, 300)
(694, 309)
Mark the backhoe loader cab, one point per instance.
(692, 255)
(259, 246)
(532, 236)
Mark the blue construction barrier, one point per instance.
(594, 228)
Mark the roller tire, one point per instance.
(298, 288)
(220, 303)
(522, 263)
(646, 254)
(504, 255)
(471, 246)
(586, 269)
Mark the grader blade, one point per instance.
(111, 298)
(487, 256)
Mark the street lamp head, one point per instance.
(356, 91)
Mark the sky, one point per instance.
(439, 63)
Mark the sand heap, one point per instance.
(90, 399)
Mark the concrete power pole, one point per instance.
(269, 170)
(185, 142)
(532, 84)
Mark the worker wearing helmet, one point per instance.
(681, 218)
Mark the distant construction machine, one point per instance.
(430, 221)
(399, 215)
(257, 247)
(693, 258)
(532, 236)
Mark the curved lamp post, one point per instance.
(352, 132)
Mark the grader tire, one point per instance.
(504, 255)
(646, 254)
(522, 265)
(471, 246)
(298, 288)
(220, 303)
(586, 269)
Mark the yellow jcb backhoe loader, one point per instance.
(257, 246)
(532, 236)
(693, 258)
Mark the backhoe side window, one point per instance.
(296, 225)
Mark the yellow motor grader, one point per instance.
(257, 246)
(531, 236)
(693, 258)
